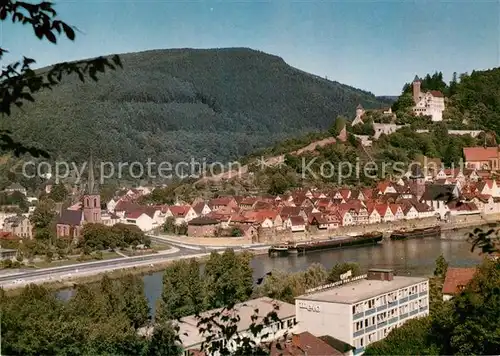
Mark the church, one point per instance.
(430, 103)
(70, 222)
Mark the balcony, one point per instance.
(383, 307)
(403, 300)
(370, 311)
(403, 316)
(422, 294)
(413, 312)
(358, 316)
(413, 296)
(358, 333)
(371, 328)
(423, 308)
(381, 324)
(393, 320)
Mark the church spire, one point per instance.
(91, 186)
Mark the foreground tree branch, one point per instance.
(19, 82)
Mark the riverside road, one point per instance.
(178, 251)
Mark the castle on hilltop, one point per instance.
(430, 103)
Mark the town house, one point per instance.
(373, 214)
(480, 157)
(385, 212)
(397, 212)
(182, 213)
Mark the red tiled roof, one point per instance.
(179, 210)
(296, 220)
(304, 344)
(134, 214)
(436, 93)
(480, 154)
(457, 278)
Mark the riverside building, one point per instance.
(364, 309)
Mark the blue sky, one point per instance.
(372, 45)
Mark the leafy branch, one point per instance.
(19, 82)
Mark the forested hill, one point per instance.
(171, 104)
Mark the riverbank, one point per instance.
(65, 282)
(271, 237)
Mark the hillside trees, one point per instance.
(18, 82)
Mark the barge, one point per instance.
(403, 234)
(331, 243)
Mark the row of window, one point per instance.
(389, 298)
(366, 340)
(389, 314)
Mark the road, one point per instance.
(180, 251)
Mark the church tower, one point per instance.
(359, 111)
(91, 198)
(416, 89)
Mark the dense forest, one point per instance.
(172, 104)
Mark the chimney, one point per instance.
(380, 274)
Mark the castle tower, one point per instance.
(91, 198)
(359, 111)
(416, 89)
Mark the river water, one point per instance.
(411, 257)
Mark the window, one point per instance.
(358, 343)
(369, 321)
(423, 287)
(392, 297)
(393, 312)
(381, 317)
(371, 303)
(358, 326)
(358, 308)
(371, 338)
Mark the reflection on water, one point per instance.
(412, 257)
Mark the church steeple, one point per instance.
(91, 198)
(91, 187)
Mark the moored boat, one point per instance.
(416, 233)
(372, 238)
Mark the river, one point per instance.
(411, 257)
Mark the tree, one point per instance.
(236, 232)
(135, 303)
(441, 267)
(164, 341)
(44, 214)
(182, 293)
(58, 193)
(278, 184)
(18, 82)
(473, 325)
(403, 104)
(228, 278)
(338, 269)
(169, 225)
(338, 125)
(413, 338)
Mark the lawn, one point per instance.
(106, 255)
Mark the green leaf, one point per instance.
(70, 33)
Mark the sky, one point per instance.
(372, 45)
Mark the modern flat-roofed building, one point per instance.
(192, 339)
(364, 309)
